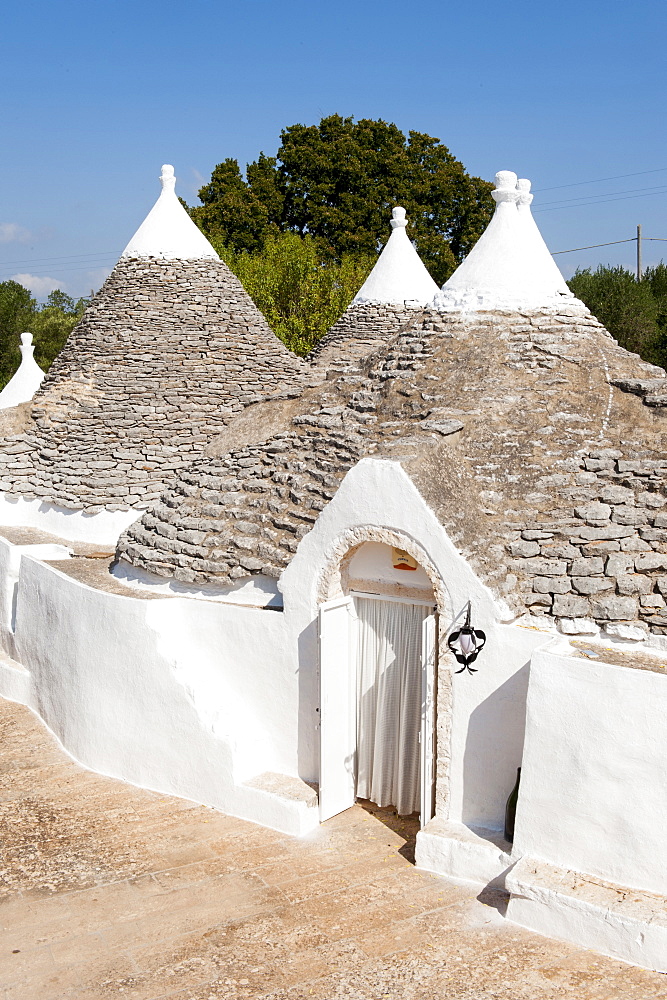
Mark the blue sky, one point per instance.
(95, 96)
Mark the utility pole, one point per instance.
(639, 253)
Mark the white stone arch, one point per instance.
(377, 501)
(331, 581)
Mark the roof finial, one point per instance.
(26, 343)
(505, 187)
(510, 266)
(399, 276)
(523, 187)
(26, 380)
(167, 177)
(168, 232)
(398, 220)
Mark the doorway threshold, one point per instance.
(473, 854)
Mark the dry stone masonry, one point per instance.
(547, 474)
(362, 329)
(167, 351)
(390, 300)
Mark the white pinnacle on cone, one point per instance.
(399, 275)
(510, 266)
(27, 379)
(168, 232)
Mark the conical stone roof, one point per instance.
(525, 435)
(538, 442)
(398, 287)
(168, 349)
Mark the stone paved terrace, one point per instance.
(112, 891)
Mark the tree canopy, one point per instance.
(337, 182)
(634, 312)
(50, 324)
(299, 295)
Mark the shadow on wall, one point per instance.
(308, 745)
(494, 747)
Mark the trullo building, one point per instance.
(273, 634)
(168, 349)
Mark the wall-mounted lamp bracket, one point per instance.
(466, 644)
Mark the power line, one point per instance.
(608, 194)
(72, 257)
(55, 270)
(593, 246)
(601, 180)
(602, 201)
(633, 239)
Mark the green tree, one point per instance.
(232, 213)
(298, 294)
(628, 308)
(17, 310)
(50, 325)
(337, 182)
(656, 278)
(341, 178)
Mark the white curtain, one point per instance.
(389, 693)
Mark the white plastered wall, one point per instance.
(593, 794)
(590, 854)
(377, 498)
(183, 696)
(10, 566)
(103, 528)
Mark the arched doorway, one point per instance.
(377, 681)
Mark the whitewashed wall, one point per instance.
(183, 696)
(593, 790)
(103, 528)
(196, 697)
(10, 564)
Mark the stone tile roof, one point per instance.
(167, 351)
(517, 429)
(393, 296)
(362, 329)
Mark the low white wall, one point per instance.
(103, 528)
(10, 564)
(179, 695)
(194, 697)
(593, 794)
(256, 591)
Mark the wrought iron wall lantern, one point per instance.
(466, 644)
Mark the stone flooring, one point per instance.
(112, 891)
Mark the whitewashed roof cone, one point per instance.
(168, 232)
(26, 380)
(399, 275)
(510, 266)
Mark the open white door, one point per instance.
(427, 736)
(338, 708)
